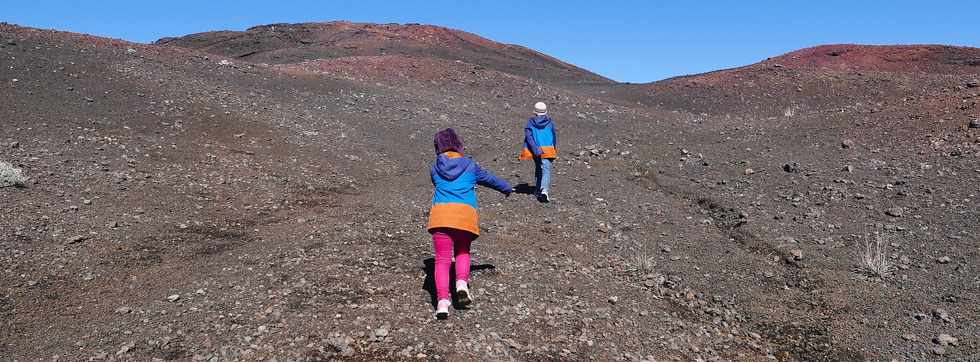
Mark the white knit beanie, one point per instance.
(540, 109)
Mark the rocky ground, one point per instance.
(184, 205)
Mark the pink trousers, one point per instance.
(447, 243)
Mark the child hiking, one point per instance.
(453, 219)
(539, 145)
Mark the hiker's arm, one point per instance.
(554, 137)
(529, 142)
(489, 180)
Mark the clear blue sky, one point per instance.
(630, 41)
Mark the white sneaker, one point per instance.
(442, 311)
(543, 196)
(463, 293)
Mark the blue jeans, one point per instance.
(542, 173)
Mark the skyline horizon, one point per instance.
(246, 28)
(625, 42)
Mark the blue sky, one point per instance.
(630, 41)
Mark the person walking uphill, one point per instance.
(453, 219)
(540, 143)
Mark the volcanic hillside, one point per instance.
(201, 199)
(820, 78)
(294, 43)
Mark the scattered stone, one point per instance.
(86, 202)
(942, 314)
(130, 51)
(944, 260)
(89, 99)
(125, 348)
(911, 337)
(797, 254)
(173, 297)
(792, 167)
(975, 123)
(613, 299)
(341, 346)
(938, 350)
(225, 62)
(124, 310)
(946, 340)
(973, 83)
(845, 144)
(920, 316)
(895, 212)
(14, 144)
(848, 168)
(77, 239)
(749, 171)
(654, 280)
(381, 332)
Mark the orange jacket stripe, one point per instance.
(454, 215)
(546, 152)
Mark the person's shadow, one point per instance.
(429, 285)
(524, 188)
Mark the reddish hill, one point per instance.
(820, 78)
(292, 43)
(884, 58)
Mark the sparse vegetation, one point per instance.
(874, 257)
(11, 176)
(643, 261)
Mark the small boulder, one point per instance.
(942, 314)
(946, 340)
(895, 212)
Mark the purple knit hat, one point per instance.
(447, 140)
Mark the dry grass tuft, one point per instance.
(874, 257)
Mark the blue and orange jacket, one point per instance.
(539, 139)
(454, 201)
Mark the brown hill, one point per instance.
(819, 79)
(293, 43)
(939, 59)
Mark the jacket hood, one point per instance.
(450, 168)
(539, 122)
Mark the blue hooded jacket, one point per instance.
(454, 200)
(539, 139)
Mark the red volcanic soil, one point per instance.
(884, 58)
(291, 43)
(824, 78)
